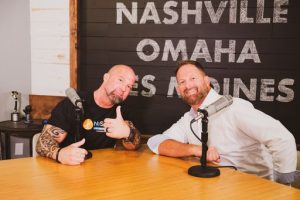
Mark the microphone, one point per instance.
(215, 107)
(77, 102)
(203, 170)
(74, 98)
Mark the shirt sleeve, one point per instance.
(286, 178)
(175, 132)
(155, 141)
(270, 132)
(63, 115)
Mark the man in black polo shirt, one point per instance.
(102, 125)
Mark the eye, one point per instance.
(121, 80)
(181, 82)
(129, 87)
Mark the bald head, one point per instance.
(116, 86)
(121, 69)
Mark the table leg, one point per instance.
(7, 146)
(2, 146)
(30, 146)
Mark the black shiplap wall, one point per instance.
(103, 43)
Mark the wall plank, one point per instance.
(50, 42)
(50, 54)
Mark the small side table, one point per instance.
(19, 129)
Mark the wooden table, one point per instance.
(118, 174)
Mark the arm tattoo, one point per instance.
(55, 131)
(136, 143)
(46, 144)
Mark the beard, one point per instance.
(193, 99)
(114, 98)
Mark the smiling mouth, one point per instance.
(191, 92)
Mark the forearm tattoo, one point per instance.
(55, 131)
(136, 142)
(46, 144)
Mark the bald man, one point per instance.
(103, 121)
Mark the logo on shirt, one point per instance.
(97, 126)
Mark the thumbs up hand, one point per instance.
(72, 154)
(116, 128)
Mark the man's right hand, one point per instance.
(213, 155)
(72, 154)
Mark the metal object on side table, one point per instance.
(15, 116)
(27, 110)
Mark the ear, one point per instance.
(177, 90)
(207, 81)
(105, 77)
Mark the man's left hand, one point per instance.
(116, 128)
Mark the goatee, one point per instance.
(114, 98)
(194, 98)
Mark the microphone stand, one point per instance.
(203, 170)
(77, 137)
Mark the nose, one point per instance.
(189, 84)
(123, 87)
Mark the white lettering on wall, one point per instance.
(122, 10)
(267, 87)
(172, 87)
(174, 15)
(150, 14)
(278, 11)
(288, 91)
(260, 12)
(186, 12)
(147, 42)
(230, 51)
(249, 51)
(215, 16)
(169, 48)
(195, 10)
(200, 51)
(146, 83)
(248, 87)
(239, 85)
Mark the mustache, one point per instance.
(188, 89)
(117, 92)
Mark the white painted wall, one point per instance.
(14, 54)
(34, 50)
(50, 63)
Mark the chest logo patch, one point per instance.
(89, 124)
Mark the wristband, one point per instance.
(56, 159)
(131, 135)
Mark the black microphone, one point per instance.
(74, 98)
(215, 107)
(77, 102)
(203, 170)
